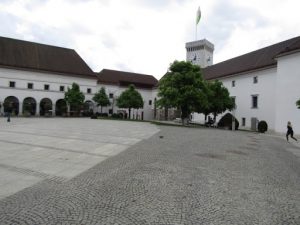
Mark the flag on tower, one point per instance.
(198, 15)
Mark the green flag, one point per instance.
(198, 16)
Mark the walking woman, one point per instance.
(290, 131)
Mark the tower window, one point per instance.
(89, 90)
(233, 83)
(111, 95)
(46, 87)
(62, 88)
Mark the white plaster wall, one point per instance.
(288, 92)
(245, 88)
(116, 91)
(243, 91)
(22, 78)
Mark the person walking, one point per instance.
(9, 111)
(290, 131)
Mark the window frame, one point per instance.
(252, 101)
(30, 86)
(12, 84)
(255, 80)
(243, 121)
(233, 83)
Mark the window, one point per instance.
(46, 87)
(254, 101)
(233, 83)
(150, 102)
(233, 98)
(243, 121)
(62, 88)
(89, 90)
(12, 84)
(111, 95)
(255, 80)
(30, 85)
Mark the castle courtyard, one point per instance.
(84, 171)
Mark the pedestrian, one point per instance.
(9, 111)
(290, 131)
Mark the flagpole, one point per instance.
(198, 16)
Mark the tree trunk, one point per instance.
(101, 109)
(215, 116)
(205, 117)
(184, 115)
(129, 110)
(166, 113)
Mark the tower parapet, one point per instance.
(200, 52)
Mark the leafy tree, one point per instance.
(298, 104)
(183, 88)
(74, 97)
(101, 98)
(218, 98)
(130, 99)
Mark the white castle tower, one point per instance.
(200, 52)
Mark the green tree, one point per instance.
(101, 98)
(74, 97)
(130, 99)
(183, 88)
(298, 104)
(218, 98)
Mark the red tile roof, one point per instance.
(26, 55)
(258, 59)
(122, 78)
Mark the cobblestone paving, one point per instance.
(178, 176)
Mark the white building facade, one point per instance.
(265, 85)
(33, 82)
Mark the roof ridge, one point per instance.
(36, 43)
(120, 71)
(261, 49)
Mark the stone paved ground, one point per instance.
(178, 176)
(58, 149)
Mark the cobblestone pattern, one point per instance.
(189, 176)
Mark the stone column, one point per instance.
(53, 109)
(20, 108)
(37, 109)
(2, 108)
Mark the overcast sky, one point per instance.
(145, 36)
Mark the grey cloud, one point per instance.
(8, 25)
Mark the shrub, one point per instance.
(94, 116)
(262, 126)
(102, 114)
(117, 115)
(226, 122)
